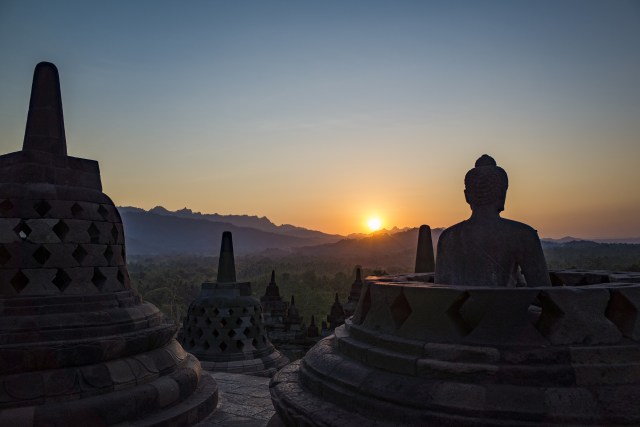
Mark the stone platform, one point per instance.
(423, 354)
(244, 401)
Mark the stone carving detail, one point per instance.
(487, 250)
(476, 346)
(77, 344)
(223, 326)
(470, 356)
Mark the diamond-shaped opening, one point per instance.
(216, 311)
(206, 345)
(400, 309)
(247, 331)
(120, 276)
(6, 205)
(231, 333)
(62, 280)
(208, 321)
(623, 313)
(223, 322)
(22, 230)
(199, 332)
(252, 320)
(231, 312)
(76, 210)
(245, 311)
(254, 342)
(41, 255)
(192, 343)
(108, 254)
(114, 233)
(104, 213)
(264, 339)
(201, 311)
(216, 334)
(223, 346)
(61, 229)
(19, 281)
(98, 278)
(5, 255)
(79, 254)
(239, 321)
(42, 207)
(240, 345)
(94, 233)
(454, 313)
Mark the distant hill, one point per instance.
(159, 232)
(313, 237)
(568, 239)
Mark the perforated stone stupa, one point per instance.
(425, 354)
(223, 326)
(78, 347)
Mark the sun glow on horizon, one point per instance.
(374, 224)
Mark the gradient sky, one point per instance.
(323, 113)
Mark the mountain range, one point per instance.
(159, 231)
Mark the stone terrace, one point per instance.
(244, 401)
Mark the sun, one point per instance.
(374, 223)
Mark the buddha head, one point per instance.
(486, 184)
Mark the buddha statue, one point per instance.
(486, 249)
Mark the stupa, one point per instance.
(223, 327)
(354, 294)
(78, 346)
(490, 349)
(274, 309)
(336, 316)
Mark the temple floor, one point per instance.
(244, 401)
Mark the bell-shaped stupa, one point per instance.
(224, 327)
(77, 344)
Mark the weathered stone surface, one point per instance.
(224, 328)
(487, 250)
(503, 366)
(77, 344)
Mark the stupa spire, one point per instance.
(226, 263)
(45, 122)
(273, 277)
(425, 262)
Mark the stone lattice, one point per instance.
(455, 355)
(78, 347)
(224, 327)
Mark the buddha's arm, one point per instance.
(533, 264)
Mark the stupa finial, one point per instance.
(273, 277)
(425, 262)
(358, 274)
(226, 263)
(45, 122)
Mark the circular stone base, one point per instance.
(265, 366)
(438, 355)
